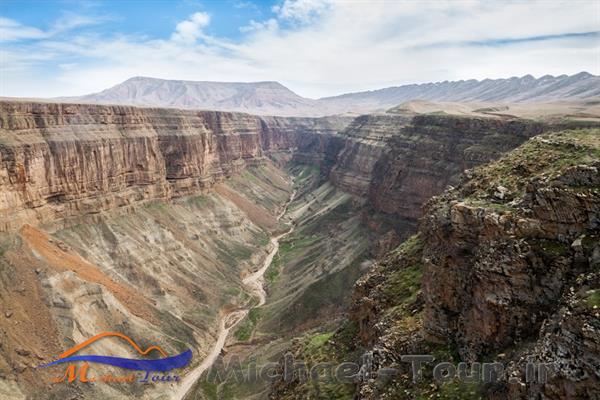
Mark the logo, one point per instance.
(154, 369)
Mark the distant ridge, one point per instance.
(264, 98)
(272, 98)
(525, 89)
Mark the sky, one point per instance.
(314, 47)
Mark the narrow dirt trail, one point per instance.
(255, 284)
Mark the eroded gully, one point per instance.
(255, 284)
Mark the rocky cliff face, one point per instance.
(504, 268)
(433, 151)
(509, 252)
(60, 160)
(398, 162)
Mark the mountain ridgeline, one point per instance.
(272, 98)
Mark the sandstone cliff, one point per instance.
(61, 160)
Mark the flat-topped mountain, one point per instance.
(263, 98)
(272, 98)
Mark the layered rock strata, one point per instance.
(59, 160)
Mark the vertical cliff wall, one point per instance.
(58, 160)
(397, 162)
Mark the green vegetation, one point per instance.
(425, 389)
(554, 248)
(592, 298)
(209, 389)
(244, 332)
(4, 247)
(263, 239)
(319, 339)
(274, 269)
(262, 185)
(250, 176)
(155, 205)
(404, 283)
(307, 171)
(284, 254)
(320, 296)
(198, 201)
(590, 241)
(486, 203)
(316, 347)
(546, 156)
(232, 253)
(411, 246)
(305, 174)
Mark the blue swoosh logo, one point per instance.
(161, 364)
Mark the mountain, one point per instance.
(272, 98)
(525, 89)
(262, 98)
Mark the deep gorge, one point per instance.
(148, 219)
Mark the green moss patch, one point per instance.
(592, 298)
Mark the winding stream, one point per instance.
(255, 283)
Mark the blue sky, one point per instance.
(138, 17)
(315, 47)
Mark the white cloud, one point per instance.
(67, 66)
(253, 26)
(12, 30)
(322, 48)
(302, 11)
(190, 30)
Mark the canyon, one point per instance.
(153, 220)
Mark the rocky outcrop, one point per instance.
(511, 256)
(500, 250)
(433, 151)
(504, 268)
(61, 160)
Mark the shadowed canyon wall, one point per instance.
(398, 162)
